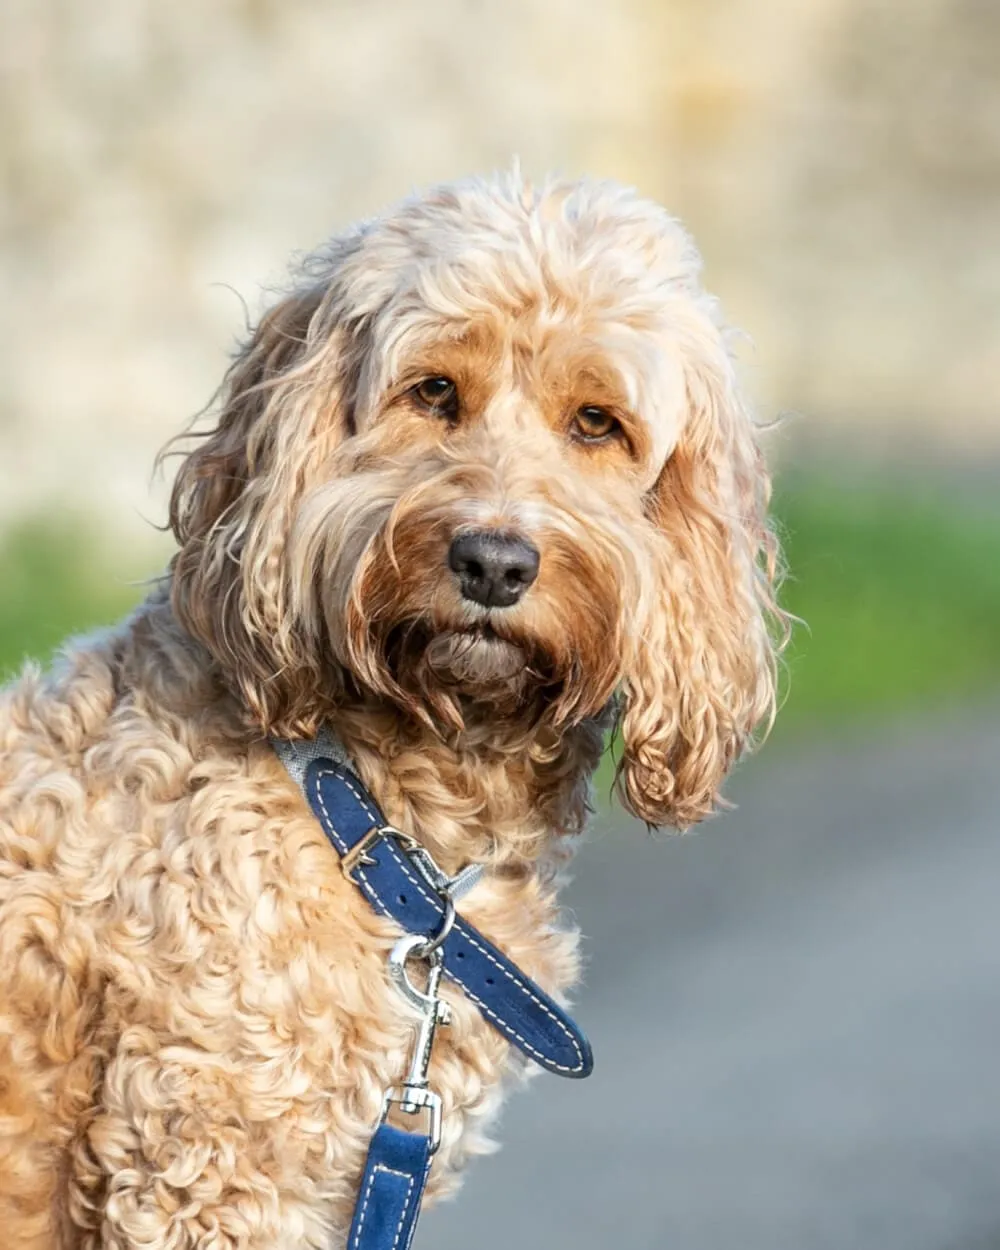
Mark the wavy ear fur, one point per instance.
(232, 503)
(702, 675)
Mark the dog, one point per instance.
(480, 491)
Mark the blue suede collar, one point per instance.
(382, 864)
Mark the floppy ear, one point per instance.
(701, 677)
(232, 504)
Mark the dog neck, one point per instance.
(491, 794)
(503, 794)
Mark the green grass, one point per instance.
(57, 579)
(900, 590)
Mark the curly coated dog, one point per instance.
(480, 490)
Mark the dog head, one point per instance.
(486, 462)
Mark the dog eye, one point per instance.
(594, 425)
(440, 394)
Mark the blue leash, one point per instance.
(391, 1189)
(400, 879)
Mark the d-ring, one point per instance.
(431, 944)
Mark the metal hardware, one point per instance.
(431, 945)
(360, 853)
(427, 1001)
(455, 887)
(414, 1094)
(411, 1100)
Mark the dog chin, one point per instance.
(476, 661)
(451, 672)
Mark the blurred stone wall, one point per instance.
(838, 161)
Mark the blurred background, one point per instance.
(794, 1012)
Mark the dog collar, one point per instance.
(400, 879)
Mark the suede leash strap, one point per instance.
(401, 880)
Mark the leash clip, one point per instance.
(415, 1094)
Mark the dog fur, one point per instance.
(195, 1022)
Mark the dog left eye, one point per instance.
(593, 424)
(439, 394)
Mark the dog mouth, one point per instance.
(476, 656)
(466, 660)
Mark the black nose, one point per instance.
(493, 569)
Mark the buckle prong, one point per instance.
(360, 853)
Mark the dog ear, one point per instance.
(232, 503)
(701, 677)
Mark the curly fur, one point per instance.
(195, 1024)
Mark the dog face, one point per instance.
(487, 463)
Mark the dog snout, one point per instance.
(493, 569)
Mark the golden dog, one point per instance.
(481, 487)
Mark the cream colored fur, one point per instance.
(195, 1022)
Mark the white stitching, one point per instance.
(381, 1167)
(364, 1208)
(341, 844)
(403, 1213)
(510, 976)
(423, 1186)
(404, 867)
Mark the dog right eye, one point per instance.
(439, 394)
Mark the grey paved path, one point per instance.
(796, 1018)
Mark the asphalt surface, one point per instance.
(795, 1016)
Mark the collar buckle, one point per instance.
(453, 888)
(360, 853)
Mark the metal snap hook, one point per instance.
(414, 1095)
(411, 945)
